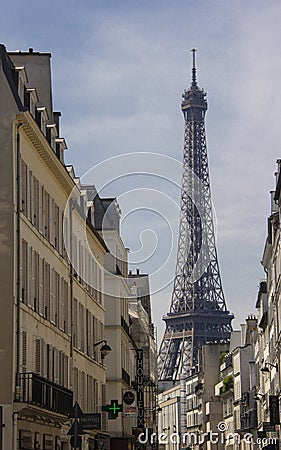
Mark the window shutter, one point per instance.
(61, 304)
(75, 383)
(52, 296)
(60, 232)
(67, 319)
(96, 395)
(23, 351)
(52, 221)
(43, 359)
(38, 355)
(33, 199)
(35, 280)
(82, 391)
(57, 379)
(24, 271)
(66, 368)
(78, 328)
(95, 340)
(23, 187)
(89, 393)
(47, 288)
(41, 286)
(30, 277)
(28, 194)
(51, 363)
(74, 254)
(56, 306)
(41, 219)
(65, 237)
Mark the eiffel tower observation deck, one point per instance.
(198, 312)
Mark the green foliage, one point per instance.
(227, 383)
(222, 356)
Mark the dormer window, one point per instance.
(41, 117)
(21, 79)
(30, 99)
(60, 148)
(50, 135)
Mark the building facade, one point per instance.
(143, 335)
(267, 348)
(52, 310)
(121, 363)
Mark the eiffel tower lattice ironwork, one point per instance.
(198, 312)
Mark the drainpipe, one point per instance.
(18, 337)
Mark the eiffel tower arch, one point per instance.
(198, 312)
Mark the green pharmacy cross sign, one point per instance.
(113, 409)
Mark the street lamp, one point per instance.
(266, 369)
(105, 349)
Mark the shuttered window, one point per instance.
(66, 304)
(23, 351)
(46, 215)
(30, 299)
(52, 296)
(47, 291)
(38, 356)
(41, 208)
(35, 281)
(41, 286)
(23, 188)
(24, 271)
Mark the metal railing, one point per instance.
(39, 391)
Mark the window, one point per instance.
(24, 271)
(35, 202)
(38, 356)
(23, 187)
(75, 324)
(23, 351)
(66, 317)
(47, 291)
(56, 298)
(36, 281)
(46, 215)
(82, 327)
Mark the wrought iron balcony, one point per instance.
(39, 391)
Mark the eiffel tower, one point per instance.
(198, 312)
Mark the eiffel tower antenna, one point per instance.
(198, 312)
(194, 82)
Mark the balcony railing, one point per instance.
(36, 390)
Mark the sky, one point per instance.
(119, 69)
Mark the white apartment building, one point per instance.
(52, 306)
(121, 362)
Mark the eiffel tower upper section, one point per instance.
(198, 312)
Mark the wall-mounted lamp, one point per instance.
(105, 349)
(266, 369)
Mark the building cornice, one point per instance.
(44, 150)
